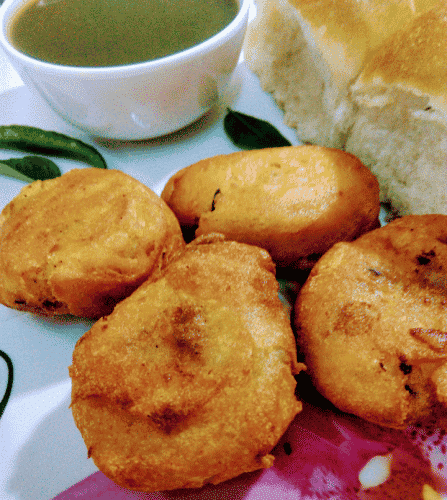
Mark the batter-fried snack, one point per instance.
(80, 243)
(190, 380)
(372, 323)
(295, 202)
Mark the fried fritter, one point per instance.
(191, 379)
(372, 323)
(80, 243)
(295, 202)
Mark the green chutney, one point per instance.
(115, 32)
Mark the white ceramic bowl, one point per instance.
(136, 101)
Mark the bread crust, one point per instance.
(372, 323)
(191, 379)
(295, 202)
(414, 59)
(308, 53)
(359, 26)
(81, 242)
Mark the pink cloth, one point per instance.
(319, 457)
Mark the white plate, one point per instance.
(41, 451)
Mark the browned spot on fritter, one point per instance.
(425, 257)
(404, 367)
(167, 419)
(435, 339)
(188, 323)
(47, 304)
(124, 401)
(354, 318)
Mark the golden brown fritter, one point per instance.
(372, 323)
(295, 202)
(80, 243)
(191, 379)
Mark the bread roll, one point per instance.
(328, 64)
(400, 126)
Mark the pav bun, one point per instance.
(400, 125)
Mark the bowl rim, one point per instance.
(238, 24)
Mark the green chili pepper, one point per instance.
(35, 140)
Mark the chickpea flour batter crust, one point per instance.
(295, 202)
(372, 323)
(80, 243)
(191, 379)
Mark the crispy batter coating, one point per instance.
(372, 323)
(295, 202)
(80, 243)
(191, 379)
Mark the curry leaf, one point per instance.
(248, 132)
(30, 167)
(10, 172)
